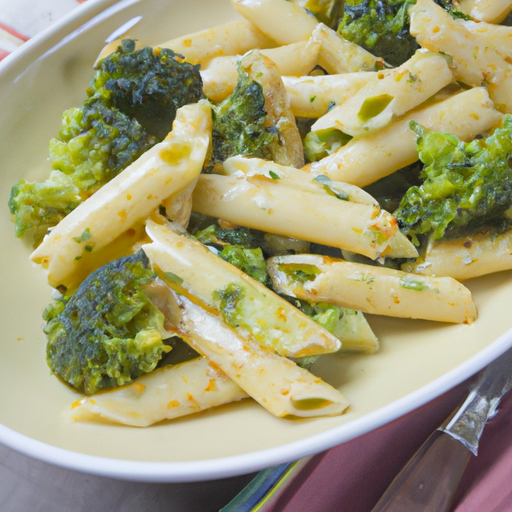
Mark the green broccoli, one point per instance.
(95, 143)
(215, 235)
(447, 5)
(326, 315)
(381, 27)
(38, 206)
(132, 102)
(465, 187)
(108, 332)
(239, 123)
(388, 191)
(240, 246)
(149, 85)
(330, 317)
(326, 11)
(250, 261)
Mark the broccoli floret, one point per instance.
(388, 191)
(381, 27)
(250, 261)
(240, 246)
(149, 85)
(219, 236)
(326, 11)
(327, 315)
(96, 143)
(465, 186)
(330, 317)
(38, 206)
(108, 332)
(131, 104)
(239, 123)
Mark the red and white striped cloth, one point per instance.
(22, 19)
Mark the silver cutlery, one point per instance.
(429, 480)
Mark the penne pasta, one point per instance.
(465, 114)
(480, 51)
(166, 393)
(465, 258)
(376, 290)
(341, 56)
(252, 307)
(295, 59)
(292, 177)
(389, 94)
(275, 382)
(178, 207)
(286, 22)
(282, 21)
(233, 38)
(490, 11)
(314, 96)
(323, 218)
(70, 249)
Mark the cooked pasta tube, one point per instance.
(389, 94)
(232, 38)
(275, 382)
(490, 11)
(465, 258)
(351, 327)
(178, 206)
(313, 96)
(365, 160)
(376, 290)
(296, 59)
(295, 178)
(246, 305)
(164, 170)
(282, 21)
(280, 208)
(341, 56)
(220, 77)
(166, 393)
(480, 51)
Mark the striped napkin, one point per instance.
(22, 19)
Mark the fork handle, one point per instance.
(429, 480)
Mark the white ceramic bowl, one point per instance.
(418, 360)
